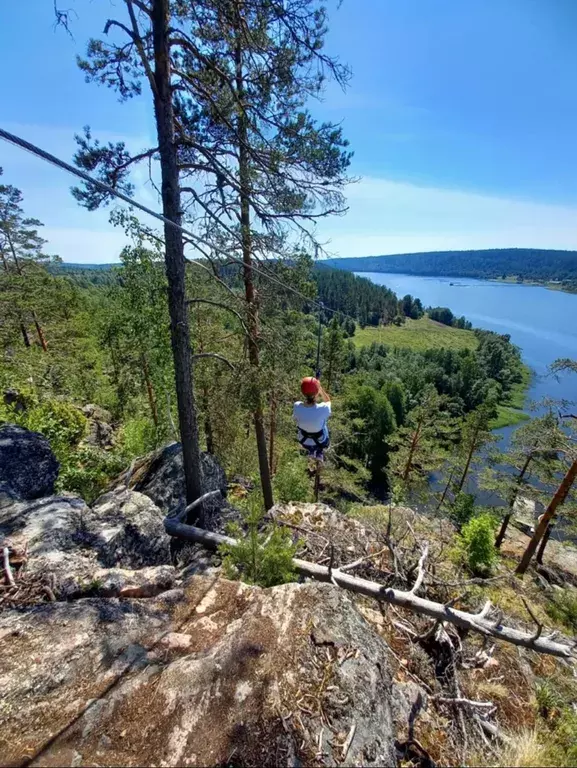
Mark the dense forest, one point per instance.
(79, 335)
(530, 264)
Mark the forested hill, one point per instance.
(518, 263)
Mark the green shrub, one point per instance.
(477, 537)
(291, 482)
(462, 509)
(263, 555)
(563, 608)
(87, 471)
(138, 437)
(61, 423)
(559, 720)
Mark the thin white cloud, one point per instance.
(393, 217)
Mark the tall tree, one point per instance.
(530, 461)
(145, 54)
(422, 441)
(333, 353)
(556, 502)
(21, 249)
(229, 80)
(475, 434)
(252, 64)
(543, 528)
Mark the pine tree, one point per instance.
(21, 252)
(475, 434)
(421, 442)
(229, 80)
(529, 463)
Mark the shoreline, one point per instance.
(549, 285)
(510, 412)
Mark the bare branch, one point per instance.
(222, 306)
(535, 619)
(421, 573)
(461, 702)
(214, 356)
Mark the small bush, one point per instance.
(291, 482)
(263, 555)
(61, 423)
(477, 537)
(563, 608)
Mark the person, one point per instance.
(311, 418)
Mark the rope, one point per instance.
(49, 158)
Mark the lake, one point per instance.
(542, 322)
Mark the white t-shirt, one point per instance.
(312, 418)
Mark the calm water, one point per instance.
(543, 323)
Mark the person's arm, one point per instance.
(326, 397)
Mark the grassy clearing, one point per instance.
(511, 411)
(508, 417)
(419, 335)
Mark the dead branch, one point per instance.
(196, 503)
(214, 356)
(7, 568)
(421, 573)
(403, 599)
(350, 566)
(535, 619)
(461, 702)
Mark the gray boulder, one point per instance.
(210, 679)
(72, 547)
(28, 468)
(161, 477)
(129, 530)
(100, 431)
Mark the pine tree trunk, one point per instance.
(558, 499)
(544, 542)
(149, 390)
(252, 309)
(39, 330)
(23, 330)
(272, 431)
(468, 462)
(174, 253)
(412, 449)
(507, 518)
(445, 491)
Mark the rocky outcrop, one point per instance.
(100, 431)
(71, 546)
(160, 476)
(28, 468)
(226, 674)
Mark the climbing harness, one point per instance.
(320, 444)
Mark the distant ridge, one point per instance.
(496, 263)
(74, 265)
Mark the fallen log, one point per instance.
(475, 622)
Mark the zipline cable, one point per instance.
(103, 187)
(318, 369)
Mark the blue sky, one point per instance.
(462, 115)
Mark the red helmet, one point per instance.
(310, 386)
